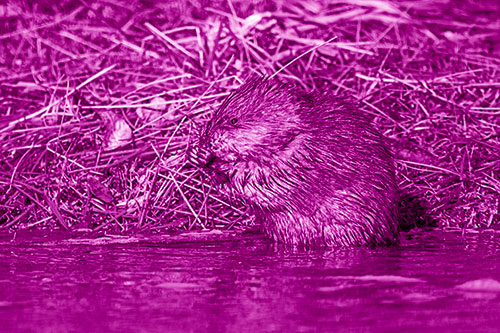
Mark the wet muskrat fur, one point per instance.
(312, 168)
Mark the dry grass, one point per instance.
(99, 101)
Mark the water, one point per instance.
(434, 281)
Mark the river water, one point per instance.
(434, 281)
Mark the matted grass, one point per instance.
(100, 101)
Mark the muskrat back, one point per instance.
(312, 168)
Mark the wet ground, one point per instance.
(434, 281)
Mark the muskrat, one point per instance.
(311, 167)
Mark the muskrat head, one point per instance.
(254, 124)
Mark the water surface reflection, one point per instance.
(433, 281)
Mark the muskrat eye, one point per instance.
(234, 121)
